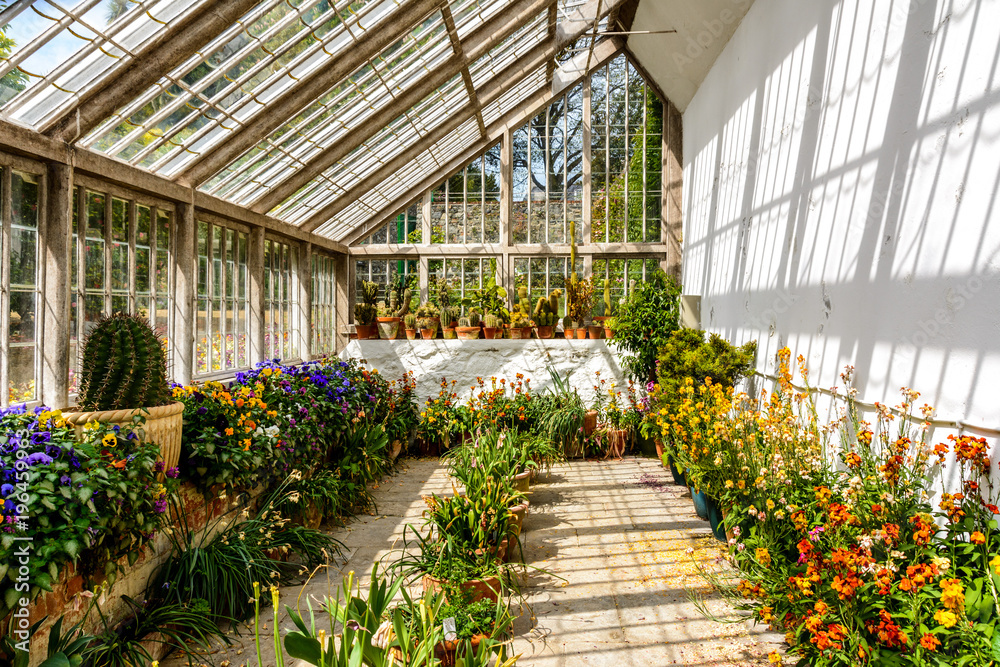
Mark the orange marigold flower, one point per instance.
(977, 538)
(929, 642)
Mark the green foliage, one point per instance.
(644, 323)
(491, 297)
(687, 354)
(492, 321)
(366, 311)
(220, 565)
(410, 320)
(123, 365)
(91, 502)
(579, 298)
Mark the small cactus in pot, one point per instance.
(410, 322)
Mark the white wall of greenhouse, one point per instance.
(842, 175)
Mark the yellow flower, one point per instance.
(977, 538)
(952, 594)
(109, 440)
(774, 658)
(996, 564)
(945, 618)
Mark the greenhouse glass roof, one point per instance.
(321, 113)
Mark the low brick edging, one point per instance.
(68, 598)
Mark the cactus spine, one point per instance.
(124, 366)
(492, 321)
(410, 321)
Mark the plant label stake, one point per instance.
(450, 631)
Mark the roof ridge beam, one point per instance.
(604, 51)
(476, 44)
(389, 30)
(156, 59)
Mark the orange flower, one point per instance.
(119, 464)
(229, 430)
(977, 538)
(929, 642)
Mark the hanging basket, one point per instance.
(164, 426)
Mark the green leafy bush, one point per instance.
(644, 323)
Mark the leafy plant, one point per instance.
(366, 311)
(644, 323)
(123, 365)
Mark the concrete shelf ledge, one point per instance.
(467, 360)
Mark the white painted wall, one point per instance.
(466, 360)
(842, 195)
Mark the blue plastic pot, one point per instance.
(715, 519)
(700, 503)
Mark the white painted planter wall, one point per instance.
(465, 360)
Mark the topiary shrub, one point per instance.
(124, 366)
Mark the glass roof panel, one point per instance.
(389, 142)
(508, 51)
(470, 14)
(510, 98)
(330, 118)
(57, 49)
(256, 61)
(402, 182)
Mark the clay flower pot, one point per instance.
(596, 331)
(467, 333)
(427, 334)
(449, 333)
(447, 652)
(475, 590)
(388, 327)
(581, 333)
(367, 331)
(521, 481)
(589, 422)
(489, 333)
(411, 334)
(545, 332)
(569, 333)
(609, 333)
(520, 333)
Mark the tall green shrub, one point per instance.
(645, 321)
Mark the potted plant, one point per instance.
(123, 379)
(448, 323)
(644, 322)
(491, 326)
(390, 317)
(410, 322)
(366, 311)
(520, 326)
(428, 320)
(468, 327)
(546, 314)
(581, 295)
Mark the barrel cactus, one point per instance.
(124, 366)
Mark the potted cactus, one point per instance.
(428, 320)
(410, 322)
(123, 377)
(468, 327)
(546, 314)
(390, 317)
(580, 294)
(491, 325)
(366, 311)
(520, 326)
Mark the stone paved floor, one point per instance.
(615, 544)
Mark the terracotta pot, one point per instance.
(609, 333)
(589, 421)
(596, 331)
(516, 526)
(475, 590)
(449, 333)
(545, 332)
(467, 333)
(581, 334)
(489, 333)
(659, 449)
(388, 327)
(394, 449)
(521, 481)
(569, 333)
(164, 426)
(520, 333)
(447, 652)
(312, 517)
(411, 334)
(366, 331)
(427, 334)
(432, 323)
(617, 439)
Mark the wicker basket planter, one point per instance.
(164, 426)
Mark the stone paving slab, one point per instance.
(612, 548)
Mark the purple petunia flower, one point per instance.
(38, 458)
(173, 473)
